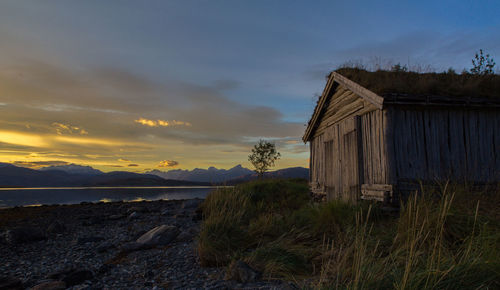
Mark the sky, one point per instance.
(141, 85)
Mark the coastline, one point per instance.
(11, 197)
(93, 246)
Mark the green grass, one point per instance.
(446, 239)
(440, 84)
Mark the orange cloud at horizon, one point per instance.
(162, 123)
(168, 163)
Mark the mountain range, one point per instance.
(211, 174)
(77, 175)
(71, 176)
(234, 175)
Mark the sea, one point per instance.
(10, 197)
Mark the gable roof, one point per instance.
(383, 88)
(335, 79)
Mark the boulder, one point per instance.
(138, 233)
(56, 227)
(158, 236)
(10, 283)
(50, 285)
(240, 271)
(24, 235)
(132, 246)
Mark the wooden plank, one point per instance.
(356, 112)
(420, 140)
(432, 147)
(368, 197)
(398, 156)
(339, 96)
(376, 147)
(457, 149)
(496, 145)
(475, 166)
(370, 96)
(379, 187)
(343, 105)
(380, 192)
(359, 143)
(381, 148)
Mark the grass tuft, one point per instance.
(442, 239)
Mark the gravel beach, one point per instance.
(117, 245)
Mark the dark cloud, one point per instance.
(133, 165)
(168, 163)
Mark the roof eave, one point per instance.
(335, 77)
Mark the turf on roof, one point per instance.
(437, 84)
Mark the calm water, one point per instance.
(70, 195)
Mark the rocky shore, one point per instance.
(118, 245)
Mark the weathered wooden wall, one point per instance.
(457, 144)
(375, 161)
(336, 149)
(358, 147)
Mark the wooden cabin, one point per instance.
(378, 135)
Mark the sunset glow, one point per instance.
(178, 85)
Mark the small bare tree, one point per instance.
(482, 64)
(263, 156)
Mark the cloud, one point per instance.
(39, 164)
(133, 165)
(62, 129)
(105, 105)
(123, 160)
(226, 84)
(22, 139)
(162, 123)
(168, 163)
(422, 50)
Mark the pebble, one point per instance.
(91, 255)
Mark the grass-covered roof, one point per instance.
(425, 84)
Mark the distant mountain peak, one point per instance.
(211, 174)
(2, 164)
(73, 169)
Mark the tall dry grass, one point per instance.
(424, 252)
(441, 239)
